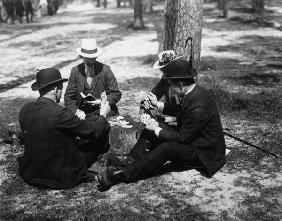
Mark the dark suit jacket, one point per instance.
(199, 126)
(51, 157)
(104, 80)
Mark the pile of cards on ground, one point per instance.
(119, 121)
(144, 97)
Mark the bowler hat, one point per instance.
(179, 68)
(47, 77)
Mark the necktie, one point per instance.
(89, 73)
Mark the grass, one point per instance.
(264, 106)
(130, 200)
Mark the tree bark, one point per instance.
(258, 6)
(105, 3)
(148, 5)
(223, 5)
(183, 19)
(138, 22)
(98, 3)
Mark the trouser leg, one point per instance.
(147, 141)
(95, 147)
(152, 160)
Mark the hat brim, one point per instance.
(36, 87)
(94, 55)
(158, 66)
(192, 75)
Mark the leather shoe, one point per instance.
(107, 179)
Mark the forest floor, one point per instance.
(241, 65)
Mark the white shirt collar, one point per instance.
(190, 88)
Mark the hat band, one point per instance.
(88, 51)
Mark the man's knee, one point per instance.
(165, 149)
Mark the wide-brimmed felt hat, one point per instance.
(179, 68)
(164, 58)
(89, 48)
(47, 77)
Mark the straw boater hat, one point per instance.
(165, 58)
(89, 48)
(47, 77)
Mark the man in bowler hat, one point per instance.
(197, 142)
(52, 158)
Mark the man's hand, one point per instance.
(146, 104)
(97, 102)
(153, 98)
(152, 125)
(80, 114)
(105, 108)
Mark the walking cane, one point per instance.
(250, 144)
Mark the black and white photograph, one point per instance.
(141, 110)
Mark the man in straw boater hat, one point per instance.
(93, 78)
(197, 142)
(52, 158)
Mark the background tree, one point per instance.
(98, 4)
(105, 3)
(183, 19)
(138, 22)
(148, 5)
(258, 6)
(223, 5)
(118, 3)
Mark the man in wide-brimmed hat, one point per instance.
(162, 87)
(197, 142)
(52, 158)
(91, 77)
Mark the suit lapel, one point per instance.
(97, 70)
(82, 78)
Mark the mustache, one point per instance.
(90, 64)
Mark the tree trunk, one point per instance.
(183, 19)
(105, 3)
(138, 22)
(148, 5)
(98, 3)
(258, 6)
(223, 5)
(118, 3)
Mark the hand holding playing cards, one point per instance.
(80, 114)
(146, 104)
(105, 108)
(152, 125)
(97, 102)
(152, 97)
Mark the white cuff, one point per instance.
(160, 106)
(157, 131)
